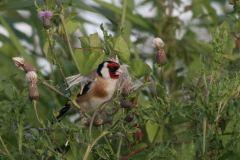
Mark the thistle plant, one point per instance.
(143, 119)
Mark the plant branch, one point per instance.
(91, 123)
(10, 156)
(52, 137)
(164, 80)
(106, 140)
(95, 141)
(51, 46)
(88, 48)
(119, 148)
(208, 143)
(128, 142)
(204, 134)
(45, 83)
(68, 42)
(36, 112)
(123, 13)
(75, 103)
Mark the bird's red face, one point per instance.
(114, 70)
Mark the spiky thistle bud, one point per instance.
(31, 78)
(129, 117)
(23, 65)
(161, 58)
(138, 136)
(45, 16)
(96, 122)
(126, 104)
(125, 93)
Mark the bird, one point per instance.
(99, 90)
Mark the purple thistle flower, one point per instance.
(45, 14)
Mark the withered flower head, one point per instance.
(161, 58)
(138, 136)
(23, 65)
(31, 78)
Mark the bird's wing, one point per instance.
(87, 87)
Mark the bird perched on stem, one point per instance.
(97, 90)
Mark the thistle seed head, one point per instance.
(23, 65)
(126, 104)
(31, 77)
(161, 58)
(158, 43)
(33, 92)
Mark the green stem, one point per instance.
(36, 112)
(208, 142)
(91, 145)
(204, 134)
(123, 13)
(164, 80)
(108, 143)
(55, 56)
(91, 123)
(119, 148)
(68, 42)
(75, 103)
(10, 156)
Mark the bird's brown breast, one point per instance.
(99, 89)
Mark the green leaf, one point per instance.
(134, 92)
(95, 41)
(80, 58)
(45, 48)
(72, 26)
(85, 44)
(94, 60)
(139, 68)
(121, 48)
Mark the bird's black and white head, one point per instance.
(109, 70)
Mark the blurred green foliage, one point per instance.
(197, 118)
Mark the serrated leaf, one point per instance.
(139, 68)
(121, 48)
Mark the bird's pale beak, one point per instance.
(119, 72)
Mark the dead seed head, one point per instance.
(23, 65)
(158, 43)
(31, 77)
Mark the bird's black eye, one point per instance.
(110, 68)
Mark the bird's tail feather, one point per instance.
(63, 112)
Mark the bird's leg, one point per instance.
(82, 111)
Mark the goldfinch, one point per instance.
(99, 90)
